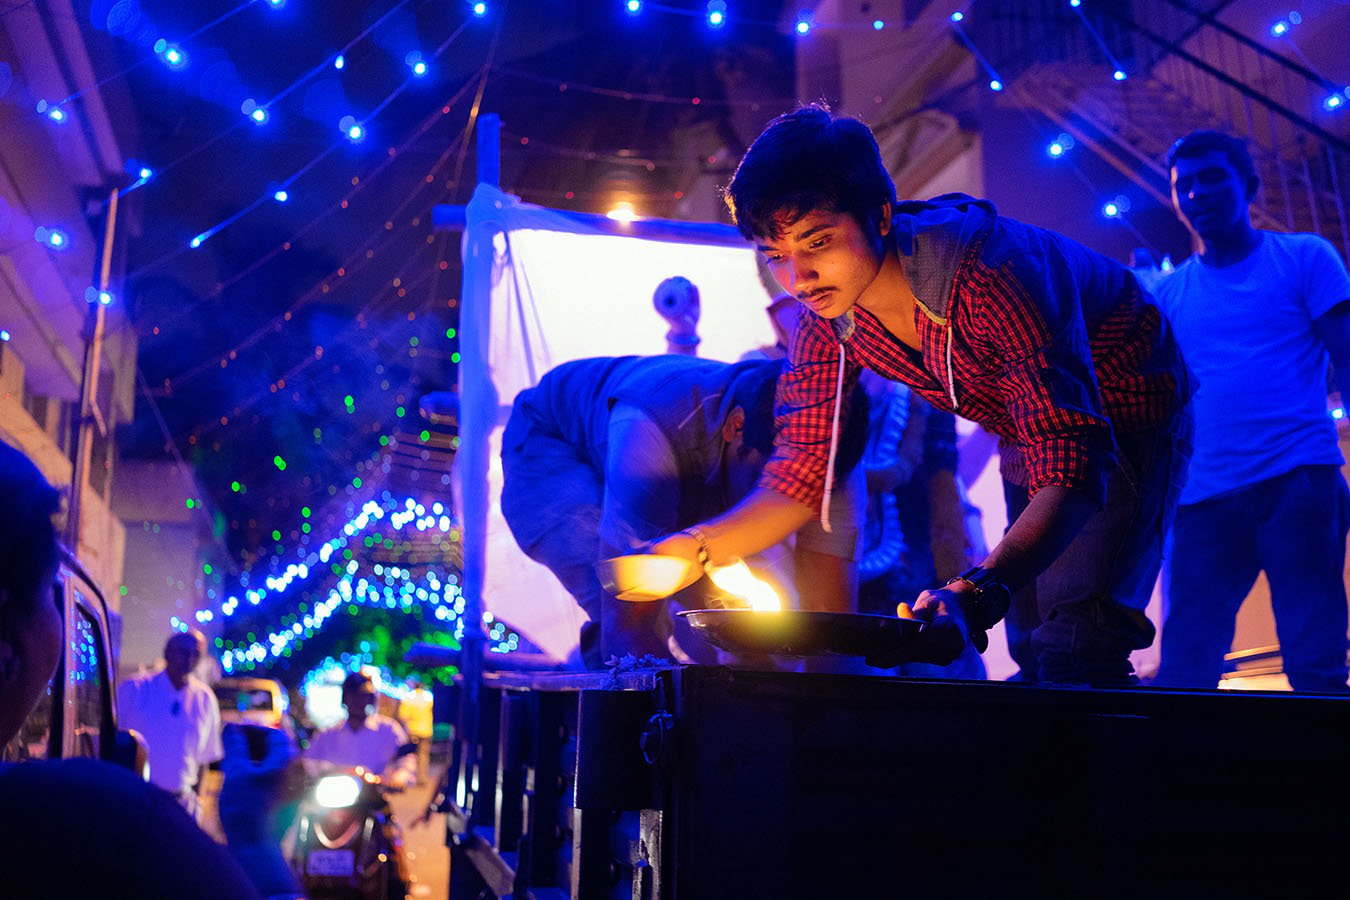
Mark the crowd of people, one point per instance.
(1176, 425)
(1141, 416)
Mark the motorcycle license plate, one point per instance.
(331, 862)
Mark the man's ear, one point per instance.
(1253, 185)
(733, 424)
(884, 219)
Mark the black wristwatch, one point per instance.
(987, 603)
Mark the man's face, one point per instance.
(181, 655)
(825, 260)
(359, 700)
(1209, 195)
(35, 633)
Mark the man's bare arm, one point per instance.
(1040, 534)
(761, 520)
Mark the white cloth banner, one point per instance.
(542, 287)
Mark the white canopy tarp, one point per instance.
(542, 287)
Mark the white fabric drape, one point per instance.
(542, 287)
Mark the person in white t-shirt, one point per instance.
(367, 739)
(1258, 315)
(178, 716)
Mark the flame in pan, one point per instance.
(738, 581)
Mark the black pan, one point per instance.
(803, 633)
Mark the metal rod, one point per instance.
(81, 443)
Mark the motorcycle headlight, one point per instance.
(337, 791)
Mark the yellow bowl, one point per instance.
(643, 577)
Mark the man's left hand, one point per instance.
(943, 611)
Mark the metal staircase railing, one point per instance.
(1188, 70)
(1235, 84)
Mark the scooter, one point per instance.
(347, 846)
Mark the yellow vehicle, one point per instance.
(253, 701)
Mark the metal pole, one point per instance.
(478, 417)
(81, 444)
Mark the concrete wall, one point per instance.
(167, 546)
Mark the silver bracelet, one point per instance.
(701, 538)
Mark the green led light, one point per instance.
(400, 412)
(190, 503)
(236, 486)
(356, 482)
(279, 463)
(276, 535)
(450, 333)
(206, 569)
(454, 357)
(304, 511)
(425, 436)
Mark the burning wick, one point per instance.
(737, 580)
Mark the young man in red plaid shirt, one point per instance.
(1052, 347)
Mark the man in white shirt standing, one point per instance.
(178, 716)
(367, 739)
(1258, 315)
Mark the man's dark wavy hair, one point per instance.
(1198, 143)
(809, 159)
(29, 549)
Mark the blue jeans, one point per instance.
(551, 502)
(1078, 622)
(1293, 527)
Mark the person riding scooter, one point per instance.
(348, 844)
(367, 739)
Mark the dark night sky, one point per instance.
(252, 343)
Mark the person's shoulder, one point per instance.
(1303, 244)
(200, 687)
(386, 723)
(141, 684)
(141, 679)
(95, 786)
(151, 846)
(1174, 282)
(327, 734)
(1296, 238)
(1300, 252)
(388, 728)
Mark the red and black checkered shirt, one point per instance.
(1053, 349)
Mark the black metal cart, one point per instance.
(711, 782)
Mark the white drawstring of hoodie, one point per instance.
(834, 444)
(834, 426)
